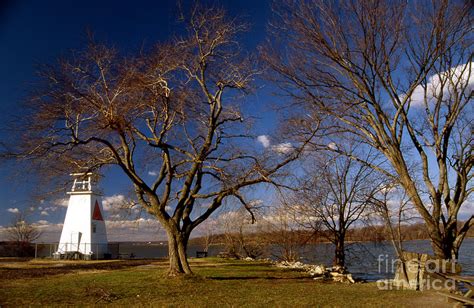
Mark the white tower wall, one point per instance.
(84, 226)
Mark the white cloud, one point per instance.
(290, 215)
(51, 208)
(256, 202)
(61, 202)
(332, 146)
(152, 173)
(230, 216)
(44, 213)
(283, 148)
(142, 229)
(264, 140)
(13, 210)
(50, 232)
(461, 75)
(466, 210)
(138, 229)
(113, 202)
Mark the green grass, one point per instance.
(217, 283)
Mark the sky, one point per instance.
(38, 32)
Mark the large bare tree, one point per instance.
(174, 110)
(397, 76)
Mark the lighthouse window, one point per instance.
(94, 228)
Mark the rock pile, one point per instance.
(320, 272)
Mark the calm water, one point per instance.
(362, 258)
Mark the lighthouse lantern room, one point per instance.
(83, 234)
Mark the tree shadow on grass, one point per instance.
(240, 264)
(258, 277)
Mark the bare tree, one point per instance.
(22, 233)
(240, 234)
(397, 76)
(208, 236)
(174, 110)
(395, 209)
(282, 230)
(335, 193)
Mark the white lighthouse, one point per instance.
(84, 230)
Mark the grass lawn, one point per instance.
(218, 283)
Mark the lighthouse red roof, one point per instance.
(97, 215)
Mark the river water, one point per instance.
(370, 261)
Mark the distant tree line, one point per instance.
(288, 245)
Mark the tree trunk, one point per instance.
(444, 243)
(177, 252)
(339, 256)
(183, 253)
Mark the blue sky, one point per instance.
(38, 32)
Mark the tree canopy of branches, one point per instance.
(174, 110)
(240, 235)
(333, 196)
(282, 231)
(21, 231)
(395, 75)
(394, 208)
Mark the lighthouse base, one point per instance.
(84, 251)
(72, 255)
